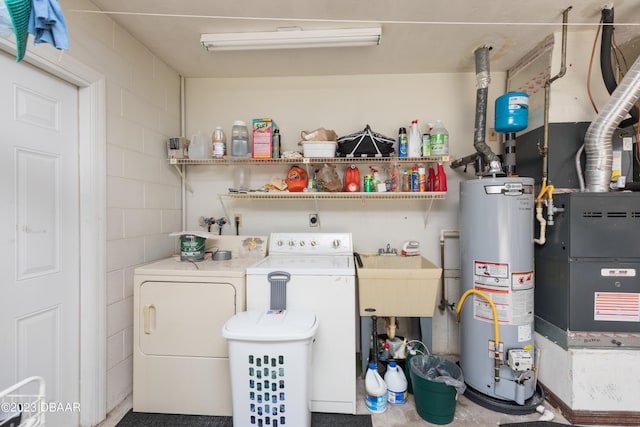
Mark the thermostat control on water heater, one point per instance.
(520, 360)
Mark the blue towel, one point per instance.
(47, 24)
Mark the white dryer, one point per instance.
(180, 359)
(322, 280)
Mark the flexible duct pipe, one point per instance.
(606, 67)
(483, 78)
(597, 140)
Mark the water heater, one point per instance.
(497, 253)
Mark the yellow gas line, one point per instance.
(496, 329)
(543, 190)
(548, 191)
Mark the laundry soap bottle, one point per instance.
(396, 384)
(352, 179)
(239, 139)
(376, 390)
(199, 147)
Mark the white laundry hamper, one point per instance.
(270, 363)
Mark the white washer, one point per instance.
(322, 280)
(180, 359)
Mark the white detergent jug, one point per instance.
(199, 147)
(376, 390)
(396, 384)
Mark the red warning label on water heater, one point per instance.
(511, 294)
(520, 281)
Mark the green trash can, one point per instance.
(436, 383)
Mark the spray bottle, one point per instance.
(393, 179)
(415, 140)
(378, 185)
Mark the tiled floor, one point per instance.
(467, 414)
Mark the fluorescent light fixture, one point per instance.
(292, 38)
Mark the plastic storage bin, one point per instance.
(270, 367)
(319, 148)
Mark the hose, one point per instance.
(496, 329)
(605, 63)
(597, 139)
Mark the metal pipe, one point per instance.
(510, 153)
(183, 171)
(483, 78)
(443, 299)
(463, 161)
(547, 90)
(597, 140)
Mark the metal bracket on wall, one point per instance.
(183, 175)
(426, 217)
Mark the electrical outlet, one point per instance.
(237, 219)
(314, 220)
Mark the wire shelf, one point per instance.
(334, 196)
(307, 160)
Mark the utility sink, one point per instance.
(397, 286)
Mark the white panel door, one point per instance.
(39, 234)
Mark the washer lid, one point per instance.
(271, 325)
(308, 265)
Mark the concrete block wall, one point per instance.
(143, 192)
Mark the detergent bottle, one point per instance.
(199, 147)
(239, 139)
(352, 179)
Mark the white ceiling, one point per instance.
(418, 36)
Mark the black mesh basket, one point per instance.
(365, 143)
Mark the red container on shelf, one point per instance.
(352, 179)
